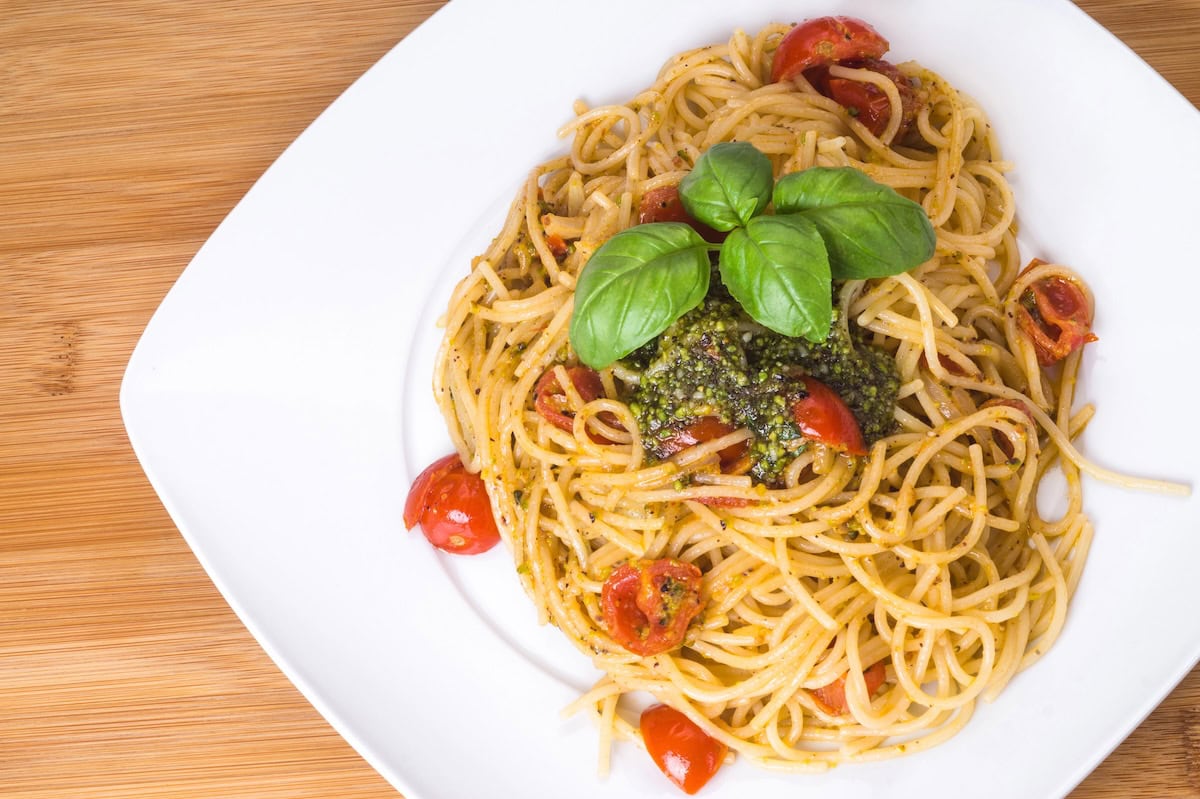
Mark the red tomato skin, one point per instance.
(1053, 312)
(418, 494)
(550, 399)
(949, 364)
(824, 41)
(452, 507)
(1001, 440)
(618, 604)
(663, 204)
(1011, 403)
(700, 430)
(634, 609)
(832, 697)
(823, 417)
(684, 752)
(666, 577)
(869, 103)
(734, 459)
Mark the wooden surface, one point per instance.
(128, 129)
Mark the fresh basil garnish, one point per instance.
(869, 229)
(730, 184)
(829, 223)
(634, 286)
(777, 269)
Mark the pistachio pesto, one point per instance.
(716, 361)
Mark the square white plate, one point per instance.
(279, 399)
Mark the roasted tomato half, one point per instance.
(1001, 440)
(647, 605)
(452, 507)
(664, 205)
(550, 399)
(734, 459)
(813, 46)
(832, 697)
(1054, 313)
(708, 428)
(865, 101)
(822, 416)
(824, 41)
(686, 754)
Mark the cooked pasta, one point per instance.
(922, 575)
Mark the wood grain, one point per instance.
(128, 129)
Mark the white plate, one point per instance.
(279, 398)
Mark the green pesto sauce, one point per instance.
(715, 361)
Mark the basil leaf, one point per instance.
(730, 183)
(869, 229)
(777, 269)
(634, 286)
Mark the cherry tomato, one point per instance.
(824, 41)
(1054, 313)
(823, 417)
(551, 401)
(708, 428)
(452, 507)
(684, 752)
(1002, 440)
(734, 459)
(832, 697)
(647, 605)
(868, 103)
(414, 506)
(663, 205)
(949, 364)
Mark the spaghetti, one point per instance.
(913, 580)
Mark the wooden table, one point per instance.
(128, 129)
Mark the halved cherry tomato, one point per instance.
(823, 417)
(663, 205)
(452, 507)
(824, 41)
(700, 430)
(832, 697)
(949, 364)
(867, 102)
(551, 401)
(734, 459)
(647, 605)
(1002, 440)
(414, 506)
(685, 753)
(1054, 313)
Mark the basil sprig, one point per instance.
(828, 223)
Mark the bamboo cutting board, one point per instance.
(128, 129)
